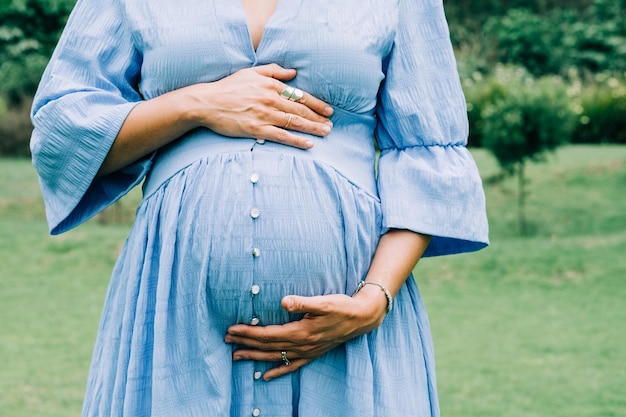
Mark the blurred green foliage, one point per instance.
(29, 30)
(601, 108)
(524, 117)
(592, 41)
(583, 41)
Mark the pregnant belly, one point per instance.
(257, 227)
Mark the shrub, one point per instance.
(602, 111)
(480, 91)
(15, 129)
(524, 38)
(29, 30)
(520, 119)
(527, 118)
(554, 42)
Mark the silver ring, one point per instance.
(297, 95)
(287, 92)
(283, 356)
(292, 94)
(289, 117)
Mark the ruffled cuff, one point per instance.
(103, 192)
(434, 190)
(71, 191)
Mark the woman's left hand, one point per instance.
(328, 321)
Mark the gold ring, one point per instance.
(289, 117)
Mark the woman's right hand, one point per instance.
(246, 104)
(249, 104)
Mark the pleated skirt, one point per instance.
(222, 242)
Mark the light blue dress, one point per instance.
(228, 227)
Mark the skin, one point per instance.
(248, 104)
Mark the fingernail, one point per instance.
(288, 303)
(326, 129)
(328, 110)
(308, 143)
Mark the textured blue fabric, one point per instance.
(187, 268)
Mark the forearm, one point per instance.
(396, 255)
(150, 125)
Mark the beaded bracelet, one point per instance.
(383, 289)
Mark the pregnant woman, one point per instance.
(268, 271)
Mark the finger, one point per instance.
(259, 355)
(284, 369)
(302, 347)
(308, 105)
(317, 305)
(298, 123)
(307, 101)
(279, 135)
(275, 71)
(303, 111)
(274, 337)
(315, 104)
(256, 344)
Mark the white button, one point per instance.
(258, 374)
(254, 321)
(255, 289)
(260, 141)
(254, 213)
(256, 252)
(256, 412)
(254, 178)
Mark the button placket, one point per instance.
(255, 288)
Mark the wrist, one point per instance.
(377, 301)
(190, 107)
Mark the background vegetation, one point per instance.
(581, 42)
(530, 327)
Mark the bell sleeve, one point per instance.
(85, 94)
(427, 179)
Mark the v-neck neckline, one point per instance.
(266, 26)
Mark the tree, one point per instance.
(29, 31)
(527, 119)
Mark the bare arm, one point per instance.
(396, 255)
(245, 104)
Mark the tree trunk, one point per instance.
(521, 199)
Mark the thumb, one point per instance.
(275, 71)
(298, 304)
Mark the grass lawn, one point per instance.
(531, 326)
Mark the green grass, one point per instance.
(532, 326)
